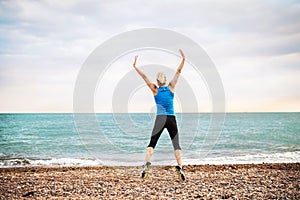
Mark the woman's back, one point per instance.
(164, 101)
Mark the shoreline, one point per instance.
(72, 166)
(259, 158)
(235, 181)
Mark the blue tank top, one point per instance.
(164, 101)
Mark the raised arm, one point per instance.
(152, 86)
(173, 82)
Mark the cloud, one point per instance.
(252, 43)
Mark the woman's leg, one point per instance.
(149, 154)
(156, 133)
(171, 126)
(177, 154)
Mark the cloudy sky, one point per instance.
(254, 44)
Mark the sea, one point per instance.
(121, 139)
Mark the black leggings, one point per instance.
(162, 122)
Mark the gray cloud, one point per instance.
(51, 35)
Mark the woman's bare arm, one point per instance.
(152, 86)
(173, 82)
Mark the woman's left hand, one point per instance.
(135, 59)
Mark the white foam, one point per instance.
(286, 157)
(50, 162)
(66, 162)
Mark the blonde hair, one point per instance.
(161, 78)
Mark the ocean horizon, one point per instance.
(61, 139)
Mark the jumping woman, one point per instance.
(165, 118)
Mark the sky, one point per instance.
(254, 44)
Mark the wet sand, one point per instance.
(253, 181)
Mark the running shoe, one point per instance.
(180, 173)
(145, 169)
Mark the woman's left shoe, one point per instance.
(145, 169)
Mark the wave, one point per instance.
(25, 162)
(259, 158)
(284, 157)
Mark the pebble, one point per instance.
(264, 181)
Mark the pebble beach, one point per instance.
(248, 181)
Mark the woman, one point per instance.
(164, 98)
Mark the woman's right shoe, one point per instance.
(180, 173)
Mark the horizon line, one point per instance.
(147, 112)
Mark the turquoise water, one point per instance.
(121, 139)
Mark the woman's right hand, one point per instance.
(182, 54)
